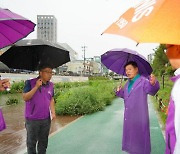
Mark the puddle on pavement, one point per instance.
(13, 138)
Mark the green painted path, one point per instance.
(101, 133)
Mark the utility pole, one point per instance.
(84, 51)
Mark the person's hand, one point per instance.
(4, 84)
(53, 116)
(38, 83)
(152, 79)
(119, 88)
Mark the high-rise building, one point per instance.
(47, 28)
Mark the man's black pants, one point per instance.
(37, 135)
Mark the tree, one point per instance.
(160, 63)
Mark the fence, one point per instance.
(162, 106)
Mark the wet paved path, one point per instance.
(101, 133)
(13, 138)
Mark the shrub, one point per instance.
(85, 99)
(17, 87)
(98, 78)
(79, 101)
(104, 91)
(11, 101)
(67, 85)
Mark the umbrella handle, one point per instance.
(120, 86)
(121, 80)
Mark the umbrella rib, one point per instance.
(141, 63)
(108, 57)
(15, 29)
(23, 36)
(29, 56)
(6, 37)
(16, 18)
(115, 61)
(124, 64)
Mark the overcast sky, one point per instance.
(81, 22)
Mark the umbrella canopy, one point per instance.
(116, 59)
(29, 54)
(150, 21)
(13, 27)
(4, 68)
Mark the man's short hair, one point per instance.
(43, 66)
(133, 63)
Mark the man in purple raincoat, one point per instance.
(136, 132)
(4, 84)
(173, 119)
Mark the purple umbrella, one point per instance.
(13, 27)
(115, 60)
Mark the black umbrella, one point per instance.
(29, 54)
(4, 68)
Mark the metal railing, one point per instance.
(162, 106)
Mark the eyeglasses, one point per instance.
(48, 72)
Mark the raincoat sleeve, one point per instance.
(176, 98)
(2, 122)
(120, 93)
(151, 89)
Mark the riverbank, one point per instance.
(55, 78)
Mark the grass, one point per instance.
(163, 95)
(85, 99)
